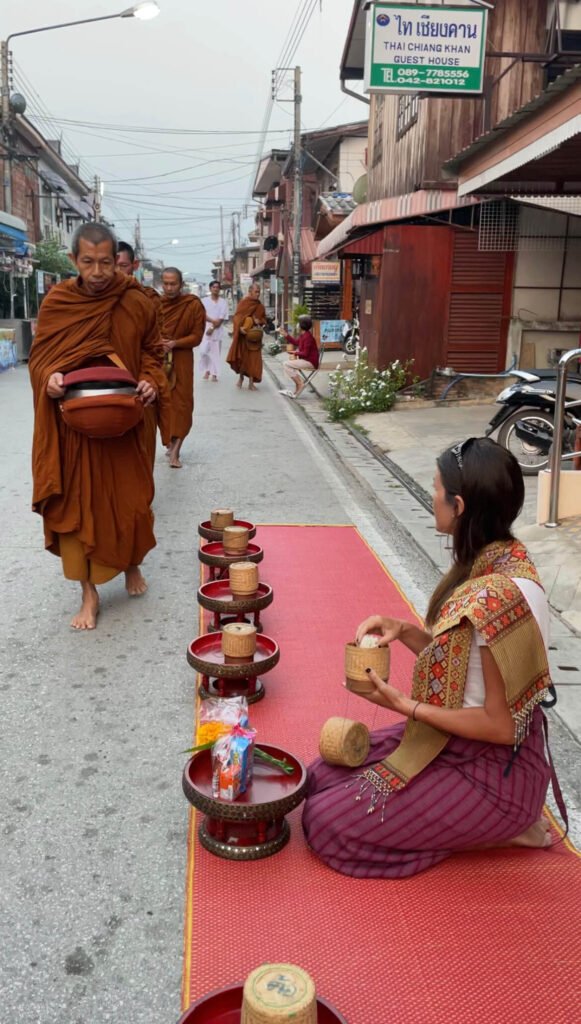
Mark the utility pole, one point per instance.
(223, 274)
(297, 192)
(97, 199)
(234, 276)
(6, 126)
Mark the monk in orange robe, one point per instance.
(245, 357)
(184, 323)
(159, 413)
(94, 494)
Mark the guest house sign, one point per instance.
(422, 48)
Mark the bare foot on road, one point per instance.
(252, 387)
(175, 463)
(135, 582)
(87, 616)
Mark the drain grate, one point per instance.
(567, 668)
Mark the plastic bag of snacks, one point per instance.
(232, 761)
(218, 716)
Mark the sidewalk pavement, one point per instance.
(410, 437)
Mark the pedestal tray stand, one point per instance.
(254, 825)
(214, 556)
(223, 679)
(216, 597)
(209, 532)
(224, 1006)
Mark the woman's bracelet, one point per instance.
(416, 706)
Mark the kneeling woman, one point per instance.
(468, 769)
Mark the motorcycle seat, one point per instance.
(550, 374)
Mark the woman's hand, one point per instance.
(54, 387)
(385, 695)
(390, 629)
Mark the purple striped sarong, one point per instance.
(461, 800)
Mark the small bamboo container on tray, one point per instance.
(235, 540)
(238, 642)
(359, 657)
(221, 517)
(277, 994)
(243, 578)
(344, 742)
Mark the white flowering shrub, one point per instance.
(364, 389)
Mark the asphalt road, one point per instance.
(92, 817)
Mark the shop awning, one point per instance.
(537, 148)
(423, 203)
(12, 234)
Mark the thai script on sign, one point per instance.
(444, 29)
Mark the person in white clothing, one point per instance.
(211, 346)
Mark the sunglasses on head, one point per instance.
(459, 449)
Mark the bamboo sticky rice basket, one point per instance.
(277, 994)
(243, 578)
(235, 539)
(238, 640)
(357, 659)
(221, 517)
(344, 742)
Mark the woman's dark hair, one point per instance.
(489, 480)
(305, 323)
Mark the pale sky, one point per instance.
(198, 66)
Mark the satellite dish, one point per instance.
(360, 189)
(270, 243)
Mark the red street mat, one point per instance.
(484, 936)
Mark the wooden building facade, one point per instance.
(427, 291)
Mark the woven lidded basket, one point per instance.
(344, 742)
(357, 659)
(243, 578)
(221, 517)
(238, 640)
(279, 994)
(235, 539)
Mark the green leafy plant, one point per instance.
(297, 313)
(49, 256)
(365, 389)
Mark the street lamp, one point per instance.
(145, 10)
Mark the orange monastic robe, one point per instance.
(184, 321)
(98, 490)
(242, 359)
(159, 414)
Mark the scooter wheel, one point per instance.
(350, 344)
(530, 458)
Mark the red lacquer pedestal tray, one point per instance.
(214, 556)
(224, 1006)
(207, 531)
(254, 825)
(229, 679)
(216, 597)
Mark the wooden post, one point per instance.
(347, 298)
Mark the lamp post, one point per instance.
(144, 11)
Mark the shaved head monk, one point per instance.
(94, 494)
(159, 413)
(184, 323)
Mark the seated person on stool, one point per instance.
(305, 357)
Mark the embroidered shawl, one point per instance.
(492, 604)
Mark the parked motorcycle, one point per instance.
(526, 419)
(350, 336)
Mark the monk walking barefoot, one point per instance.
(183, 326)
(245, 355)
(94, 494)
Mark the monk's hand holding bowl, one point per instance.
(54, 388)
(390, 629)
(167, 344)
(146, 392)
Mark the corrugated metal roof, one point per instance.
(560, 85)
